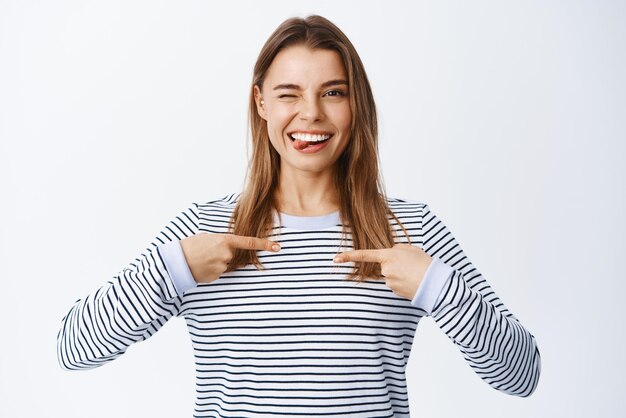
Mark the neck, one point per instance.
(306, 193)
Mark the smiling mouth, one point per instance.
(302, 141)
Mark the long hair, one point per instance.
(363, 202)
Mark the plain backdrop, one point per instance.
(506, 117)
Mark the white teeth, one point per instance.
(310, 138)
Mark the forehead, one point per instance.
(305, 66)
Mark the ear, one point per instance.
(258, 98)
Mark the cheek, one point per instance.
(278, 117)
(344, 118)
(275, 142)
(273, 127)
(277, 122)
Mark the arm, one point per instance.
(494, 343)
(131, 306)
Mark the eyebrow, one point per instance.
(325, 84)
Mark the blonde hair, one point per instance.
(363, 202)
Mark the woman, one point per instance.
(278, 326)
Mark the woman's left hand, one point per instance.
(403, 266)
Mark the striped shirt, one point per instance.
(297, 339)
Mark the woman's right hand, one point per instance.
(208, 254)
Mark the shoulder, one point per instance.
(401, 206)
(219, 204)
(215, 214)
(411, 213)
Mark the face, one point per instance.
(305, 101)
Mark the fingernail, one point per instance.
(275, 247)
(337, 259)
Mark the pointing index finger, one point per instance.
(252, 243)
(375, 256)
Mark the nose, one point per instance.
(311, 110)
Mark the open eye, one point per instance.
(335, 93)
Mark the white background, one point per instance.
(506, 117)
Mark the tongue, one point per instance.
(300, 145)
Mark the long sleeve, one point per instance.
(436, 276)
(461, 302)
(132, 306)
